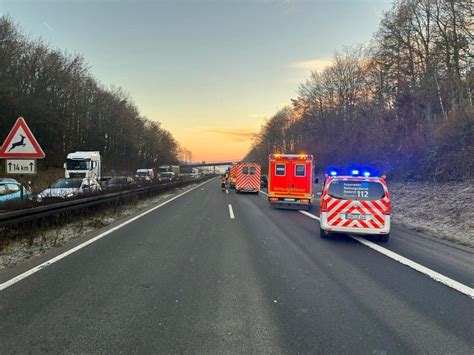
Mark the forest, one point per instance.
(68, 109)
(400, 104)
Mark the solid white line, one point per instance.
(231, 212)
(226, 191)
(309, 215)
(90, 241)
(420, 268)
(263, 192)
(468, 291)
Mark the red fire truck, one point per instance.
(290, 180)
(247, 178)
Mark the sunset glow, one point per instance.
(213, 79)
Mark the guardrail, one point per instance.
(35, 213)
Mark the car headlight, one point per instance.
(70, 195)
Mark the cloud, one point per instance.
(314, 64)
(235, 134)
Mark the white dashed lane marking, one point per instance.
(231, 212)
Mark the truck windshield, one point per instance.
(163, 170)
(78, 164)
(356, 190)
(142, 173)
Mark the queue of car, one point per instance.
(13, 192)
(83, 176)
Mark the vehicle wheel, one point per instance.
(384, 238)
(323, 234)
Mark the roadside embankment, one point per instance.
(444, 210)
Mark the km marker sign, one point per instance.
(21, 166)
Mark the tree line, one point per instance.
(69, 110)
(402, 104)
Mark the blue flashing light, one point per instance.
(355, 172)
(333, 173)
(366, 174)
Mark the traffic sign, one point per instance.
(20, 166)
(20, 143)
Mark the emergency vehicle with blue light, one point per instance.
(355, 204)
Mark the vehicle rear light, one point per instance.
(388, 210)
(273, 199)
(304, 201)
(324, 205)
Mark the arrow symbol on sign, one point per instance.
(9, 166)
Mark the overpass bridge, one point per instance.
(207, 164)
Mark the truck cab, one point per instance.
(83, 165)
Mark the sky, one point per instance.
(211, 72)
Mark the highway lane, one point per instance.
(188, 278)
(450, 259)
(352, 282)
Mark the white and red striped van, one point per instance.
(247, 177)
(355, 205)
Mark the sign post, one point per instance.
(20, 150)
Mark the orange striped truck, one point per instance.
(290, 180)
(232, 175)
(247, 178)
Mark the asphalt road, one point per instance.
(187, 278)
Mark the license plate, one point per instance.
(290, 199)
(355, 216)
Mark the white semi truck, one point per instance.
(83, 164)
